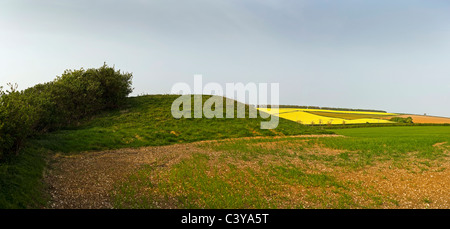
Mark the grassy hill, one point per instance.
(147, 121)
(144, 121)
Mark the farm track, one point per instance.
(87, 180)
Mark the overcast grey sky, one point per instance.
(389, 55)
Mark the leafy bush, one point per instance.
(17, 119)
(401, 120)
(73, 95)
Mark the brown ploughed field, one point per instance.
(424, 119)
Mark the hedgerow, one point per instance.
(74, 95)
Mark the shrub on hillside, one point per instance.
(17, 119)
(401, 120)
(73, 95)
(79, 93)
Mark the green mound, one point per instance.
(147, 121)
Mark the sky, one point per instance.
(367, 54)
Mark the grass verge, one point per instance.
(21, 183)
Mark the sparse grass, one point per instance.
(209, 182)
(427, 201)
(293, 172)
(193, 184)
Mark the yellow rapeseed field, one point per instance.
(321, 116)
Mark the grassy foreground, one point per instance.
(146, 121)
(377, 167)
(386, 167)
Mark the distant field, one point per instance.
(426, 119)
(321, 116)
(430, 133)
(348, 116)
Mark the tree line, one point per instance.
(321, 108)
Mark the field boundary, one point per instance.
(365, 125)
(273, 137)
